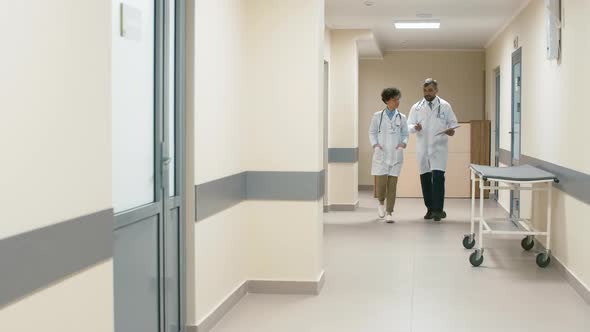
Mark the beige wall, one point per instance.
(282, 118)
(286, 240)
(461, 82)
(343, 184)
(246, 58)
(55, 138)
(221, 258)
(54, 88)
(344, 78)
(219, 74)
(561, 81)
(220, 242)
(552, 120)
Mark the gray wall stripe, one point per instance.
(572, 182)
(322, 184)
(284, 186)
(218, 195)
(343, 155)
(34, 260)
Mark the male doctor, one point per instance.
(433, 121)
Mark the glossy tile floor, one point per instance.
(415, 276)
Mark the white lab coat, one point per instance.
(389, 160)
(432, 151)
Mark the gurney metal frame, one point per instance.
(529, 231)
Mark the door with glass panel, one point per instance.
(515, 133)
(497, 125)
(147, 155)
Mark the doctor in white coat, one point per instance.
(388, 134)
(433, 121)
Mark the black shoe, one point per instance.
(429, 215)
(438, 215)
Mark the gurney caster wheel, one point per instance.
(473, 259)
(468, 244)
(543, 259)
(527, 243)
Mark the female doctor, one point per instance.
(388, 134)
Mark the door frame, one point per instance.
(497, 84)
(326, 138)
(515, 194)
(179, 199)
(180, 96)
(158, 206)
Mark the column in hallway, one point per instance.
(56, 227)
(343, 167)
(216, 61)
(283, 144)
(257, 105)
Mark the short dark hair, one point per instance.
(430, 81)
(390, 93)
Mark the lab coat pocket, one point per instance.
(399, 156)
(378, 155)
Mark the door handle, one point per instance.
(165, 155)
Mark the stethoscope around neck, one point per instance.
(398, 118)
(438, 108)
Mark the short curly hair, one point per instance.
(390, 93)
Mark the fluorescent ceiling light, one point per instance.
(417, 24)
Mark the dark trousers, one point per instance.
(433, 190)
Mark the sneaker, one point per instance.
(389, 219)
(429, 215)
(381, 210)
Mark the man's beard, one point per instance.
(429, 98)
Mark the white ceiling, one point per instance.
(465, 24)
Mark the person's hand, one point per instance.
(401, 146)
(377, 146)
(418, 127)
(450, 132)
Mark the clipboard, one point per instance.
(442, 132)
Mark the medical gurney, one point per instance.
(512, 179)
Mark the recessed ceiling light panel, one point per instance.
(417, 24)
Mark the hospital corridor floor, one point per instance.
(415, 276)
